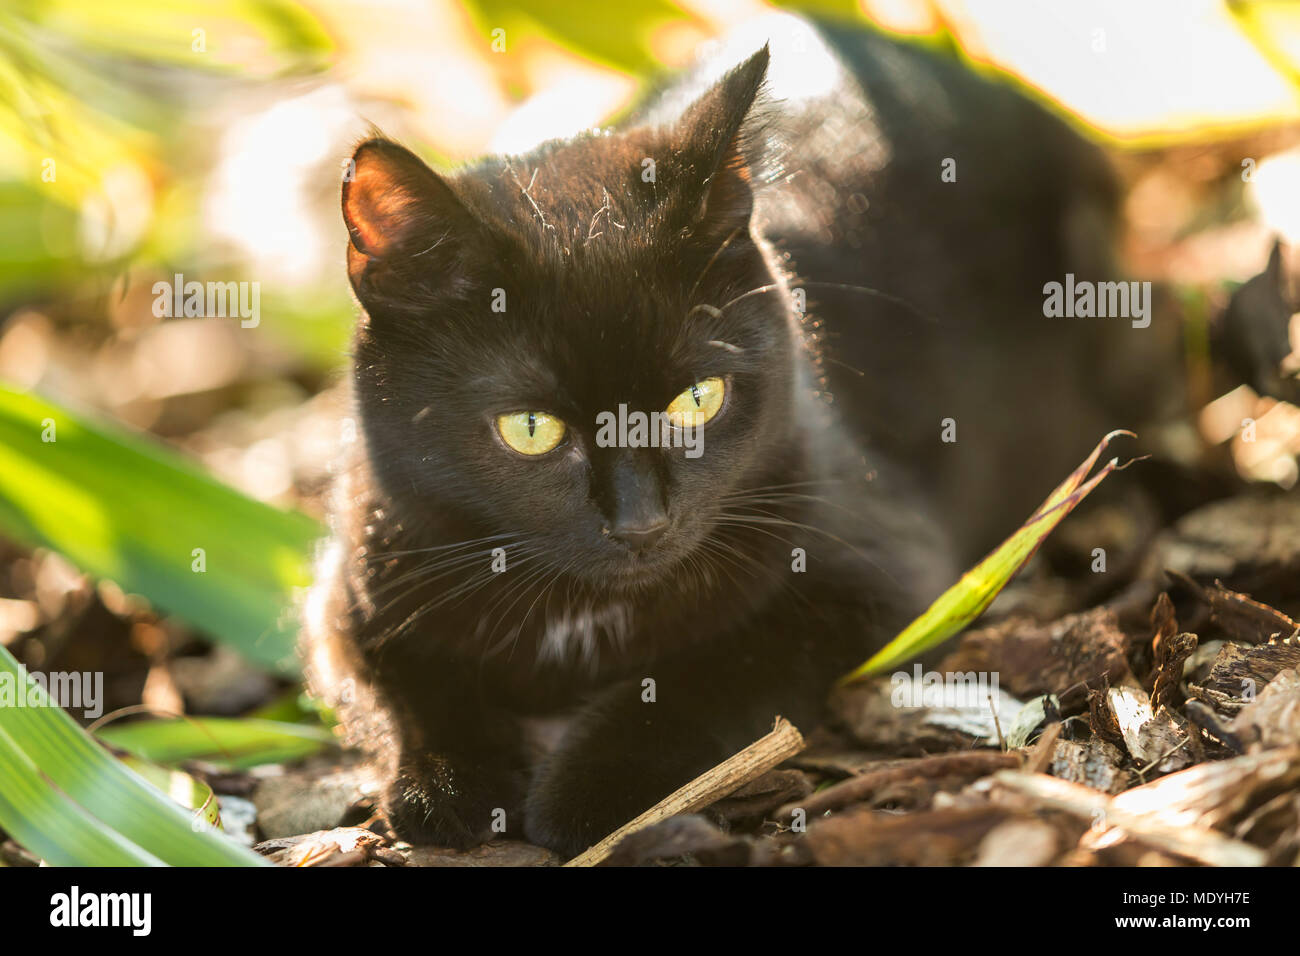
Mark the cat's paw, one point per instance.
(594, 785)
(568, 815)
(432, 801)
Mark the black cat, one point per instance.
(830, 287)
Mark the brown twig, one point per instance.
(762, 755)
(1040, 757)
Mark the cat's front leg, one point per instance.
(450, 762)
(456, 768)
(453, 800)
(643, 738)
(620, 758)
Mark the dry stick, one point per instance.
(854, 789)
(762, 755)
(1040, 757)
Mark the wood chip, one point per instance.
(1019, 843)
(960, 766)
(930, 838)
(342, 846)
(1170, 654)
(754, 800)
(1240, 615)
(1196, 843)
(684, 835)
(894, 715)
(1061, 658)
(1155, 739)
(1094, 763)
(1242, 672)
(1215, 793)
(1164, 622)
(1272, 719)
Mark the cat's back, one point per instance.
(922, 208)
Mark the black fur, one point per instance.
(619, 290)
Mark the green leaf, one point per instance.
(618, 35)
(49, 824)
(966, 600)
(226, 742)
(189, 792)
(120, 506)
(66, 799)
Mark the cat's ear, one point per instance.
(1278, 276)
(717, 135)
(402, 217)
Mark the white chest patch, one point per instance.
(576, 634)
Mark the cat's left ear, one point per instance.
(407, 229)
(714, 142)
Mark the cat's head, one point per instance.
(512, 308)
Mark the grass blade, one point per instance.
(227, 742)
(189, 792)
(50, 824)
(67, 799)
(966, 600)
(123, 507)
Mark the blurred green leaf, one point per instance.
(618, 35)
(67, 800)
(316, 323)
(966, 600)
(38, 244)
(93, 86)
(120, 506)
(163, 31)
(828, 9)
(296, 706)
(226, 742)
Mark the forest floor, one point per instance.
(1161, 727)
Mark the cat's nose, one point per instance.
(640, 536)
(637, 516)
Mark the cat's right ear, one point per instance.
(717, 143)
(402, 218)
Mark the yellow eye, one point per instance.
(530, 433)
(697, 404)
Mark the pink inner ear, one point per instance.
(375, 208)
